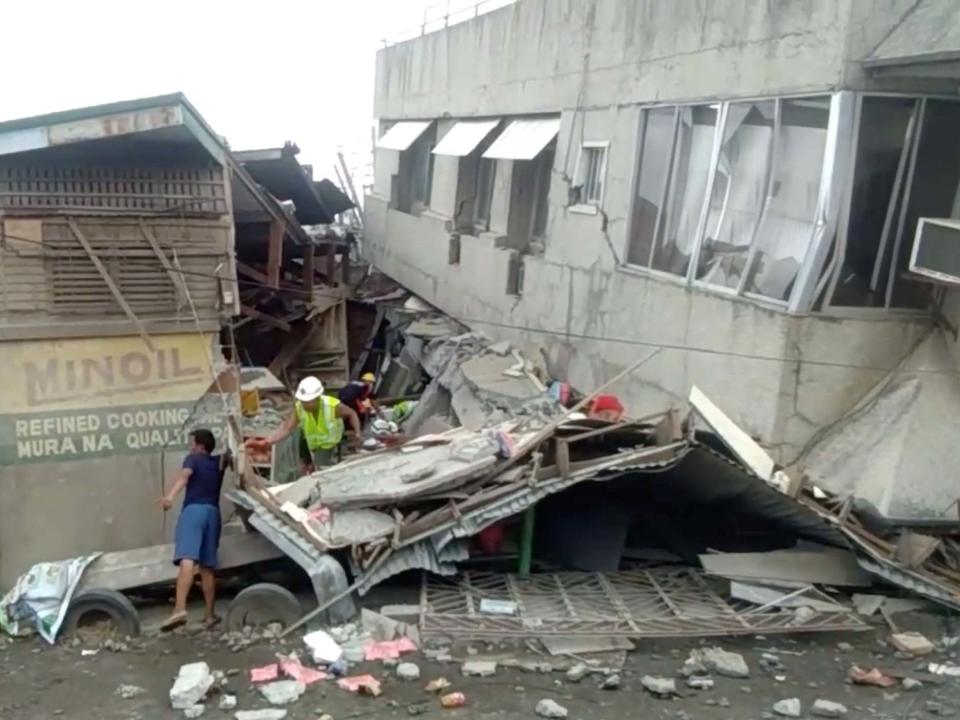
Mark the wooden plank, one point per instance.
(275, 254)
(118, 296)
(309, 254)
(269, 319)
(175, 277)
(291, 349)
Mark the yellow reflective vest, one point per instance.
(324, 429)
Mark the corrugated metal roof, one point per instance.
(420, 556)
(402, 134)
(464, 137)
(524, 139)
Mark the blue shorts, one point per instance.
(198, 535)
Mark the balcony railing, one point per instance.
(441, 15)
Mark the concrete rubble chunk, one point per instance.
(269, 714)
(282, 692)
(788, 708)
(660, 686)
(548, 708)
(577, 672)
(408, 671)
(828, 709)
(912, 643)
(191, 686)
(910, 684)
(194, 711)
(227, 702)
(727, 664)
(380, 627)
(478, 668)
(129, 691)
(611, 682)
(700, 682)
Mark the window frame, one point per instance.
(804, 275)
(587, 206)
(830, 275)
(482, 224)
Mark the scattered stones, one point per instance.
(659, 686)
(693, 666)
(828, 709)
(194, 711)
(536, 667)
(269, 714)
(577, 672)
(438, 685)
(844, 647)
(418, 709)
(282, 692)
(938, 708)
(129, 691)
(700, 682)
(478, 668)
(548, 708)
(746, 689)
(611, 682)
(912, 643)
(191, 686)
(723, 702)
(788, 708)
(727, 664)
(408, 671)
(227, 702)
(233, 672)
(910, 684)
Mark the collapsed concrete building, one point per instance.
(736, 184)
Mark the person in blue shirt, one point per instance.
(197, 536)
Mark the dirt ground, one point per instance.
(40, 681)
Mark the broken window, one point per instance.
(486, 175)
(907, 166)
(737, 199)
(541, 201)
(690, 170)
(789, 217)
(591, 173)
(415, 176)
(653, 168)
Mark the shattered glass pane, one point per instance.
(738, 192)
(655, 150)
(688, 187)
(787, 228)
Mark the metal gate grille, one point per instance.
(661, 602)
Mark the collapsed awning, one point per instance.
(524, 139)
(463, 138)
(402, 135)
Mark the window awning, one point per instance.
(463, 138)
(402, 135)
(524, 139)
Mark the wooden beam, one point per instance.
(175, 277)
(252, 312)
(292, 348)
(308, 258)
(275, 254)
(252, 273)
(117, 295)
(331, 264)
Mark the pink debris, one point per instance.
(263, 674)
(388, 649)
(366, 684)
(321, 514)
(295, 670)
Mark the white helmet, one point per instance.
(310, 388)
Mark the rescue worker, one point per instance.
(358, 394)
(320, 419)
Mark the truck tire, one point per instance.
(262, 604)
(101, 602)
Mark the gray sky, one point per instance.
(259, 72)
